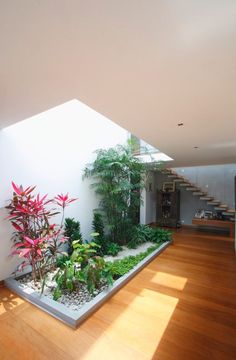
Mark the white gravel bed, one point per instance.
(128, 252)
(73, 300)
(76, 299)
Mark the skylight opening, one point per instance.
(149, 158)
(149, 154)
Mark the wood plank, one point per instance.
(216, 223)
(181, 306)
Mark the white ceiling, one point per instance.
(145, 64)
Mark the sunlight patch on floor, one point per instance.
(9, 302)
(146, 317)
(171, 281)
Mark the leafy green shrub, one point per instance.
(83, 252)
(65, 279)
(122, 266)
(96, 271)
(98, 227)
(138, 235)
(145, 231)
(72, 231)
(112, 248)
(107, 247)
(84, 266)
(133, 244)
(160, 235)
(61, 260)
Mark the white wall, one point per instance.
(50, 150)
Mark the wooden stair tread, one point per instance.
(196, 191)
(220, 208)
(173, 176)
(206, 198)
(229, 212)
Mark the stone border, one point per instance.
(76, 317)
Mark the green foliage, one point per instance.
(160, 235)
(61, 260)
(107, 247)
(118, 176)
(121, 267)
(82, 252)
(97, 224)
(84, 266)
(96, 271)
(98, 227)
(112, 248)
(142, 233)
(65, 279)
(72, 231)
(57, 294)
(138, 235)
(133, 244)
(93, 273)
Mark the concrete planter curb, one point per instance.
(75, 318)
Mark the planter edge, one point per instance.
(75, 318)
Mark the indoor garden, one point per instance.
(56, 260)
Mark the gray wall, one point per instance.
(217, 180)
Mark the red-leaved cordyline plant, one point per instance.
(35, 238)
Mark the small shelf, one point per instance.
(168, 208)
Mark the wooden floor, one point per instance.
(181, 307)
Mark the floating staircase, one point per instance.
(197, 191)
(208, 198)
(185, 184)
(213, 202)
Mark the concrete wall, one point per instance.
(217, 180)
(50, 150)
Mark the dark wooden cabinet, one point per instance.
(168, 208)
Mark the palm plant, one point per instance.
(119, 179)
